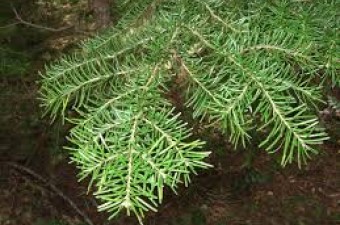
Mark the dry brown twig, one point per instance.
(53, 188)
(9, 25)
(21, 21)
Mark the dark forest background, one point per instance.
(39, 187)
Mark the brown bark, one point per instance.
(101, 12)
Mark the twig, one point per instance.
(20, 20)
(9, 25)
(54, 188)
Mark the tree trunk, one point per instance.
(101, 12)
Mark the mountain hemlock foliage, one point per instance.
(242, 66)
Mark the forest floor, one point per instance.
(226, 195)
(39, 187)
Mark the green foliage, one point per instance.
(12, 62)
(13, 59)
(243, 67)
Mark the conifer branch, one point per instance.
(276, 48)
(95, 60)
(241, 69)
(217, 18)
(302, 145)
